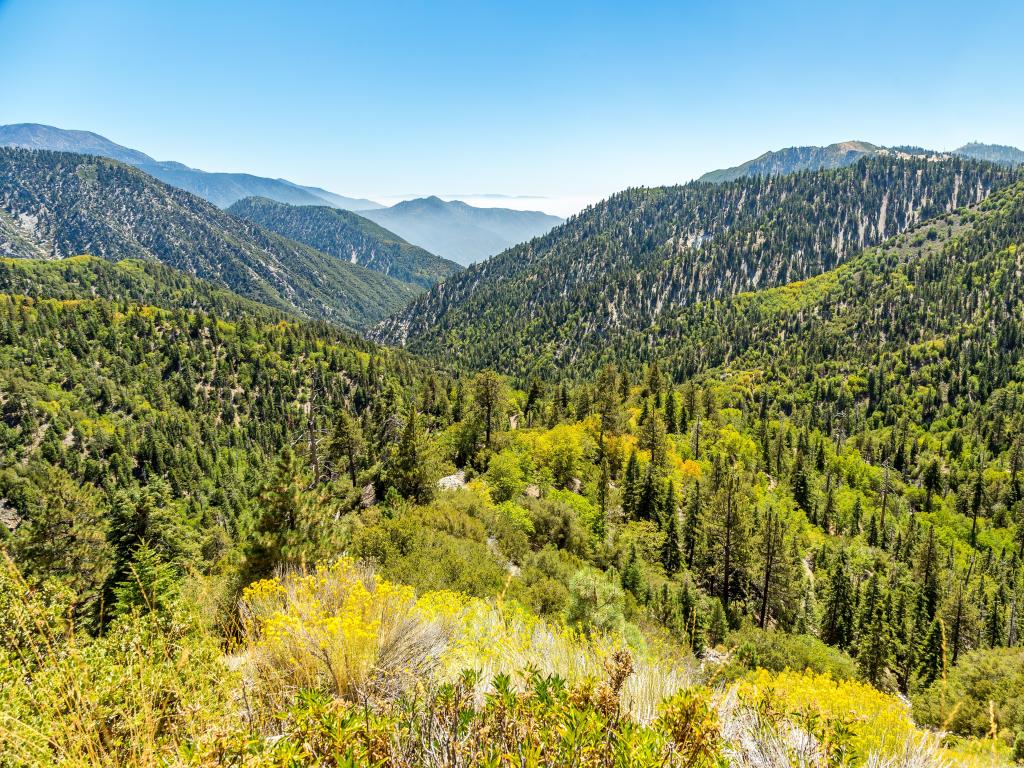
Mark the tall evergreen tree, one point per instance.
(837, 619)
(671, 559)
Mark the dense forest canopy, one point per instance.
(607, 281)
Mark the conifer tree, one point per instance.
(718, 623)
(490, 400)
(347, 444)
(149, 584)
(631, 487)
(801, 484)
(694, 525)
(837, 618)
(410, 468)
(670, 556)
(932, 482)
(603, 486)
(931, 664)
(874, 645)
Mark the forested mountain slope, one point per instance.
(627, 266)
(131, 281)
(58, 204)
(347, 236)
(824, 476)
(835, 486)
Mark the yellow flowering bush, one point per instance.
(879, 723)
(336, 629)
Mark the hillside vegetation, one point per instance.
(347, 236)
(605, 283)
(800, 512)
(61, 204)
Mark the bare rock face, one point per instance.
(452, 482)
(532, 491)
(369, 496)
(8, 516)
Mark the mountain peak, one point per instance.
(791, 159)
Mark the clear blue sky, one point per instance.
(547, 98)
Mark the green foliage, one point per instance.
(776, 651)
(635, 263)
(117, 212)
(347, 236)
(985, 690)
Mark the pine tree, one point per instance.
(631, 578)
(718, 623)
(694, 525)
(490, 400)
(282, 505)
(801, 484)
(149, 584)
(603, 483)
(670, 556)
(874, 645)
(608, 405)
(671, 411)
(837, 619)
(647, 503)
(631, 487)
(652, 438)
(855, 517)
(410, 468)
(994, 634)
(347, 444)
(931, 664)
(932, 481)
(771, 544)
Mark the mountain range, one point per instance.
(793, 159)
(461, 232)
(697, 443)
(608, 281)
(58, 204)
(347, 236)
(453, 230)
(221, 189)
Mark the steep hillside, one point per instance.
(793, 159)
(460, 232)
(134, 281)
(64, 204)
(347, 236)
(221, 189)
(624, 268)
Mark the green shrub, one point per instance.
(754, 648)
(983, 678)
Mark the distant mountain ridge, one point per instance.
(461, 232)
(792, 159)
(348, 236)
(992, 153)
(58, 204)
(452, 230)
(221, 189)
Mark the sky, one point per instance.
(553, 104)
